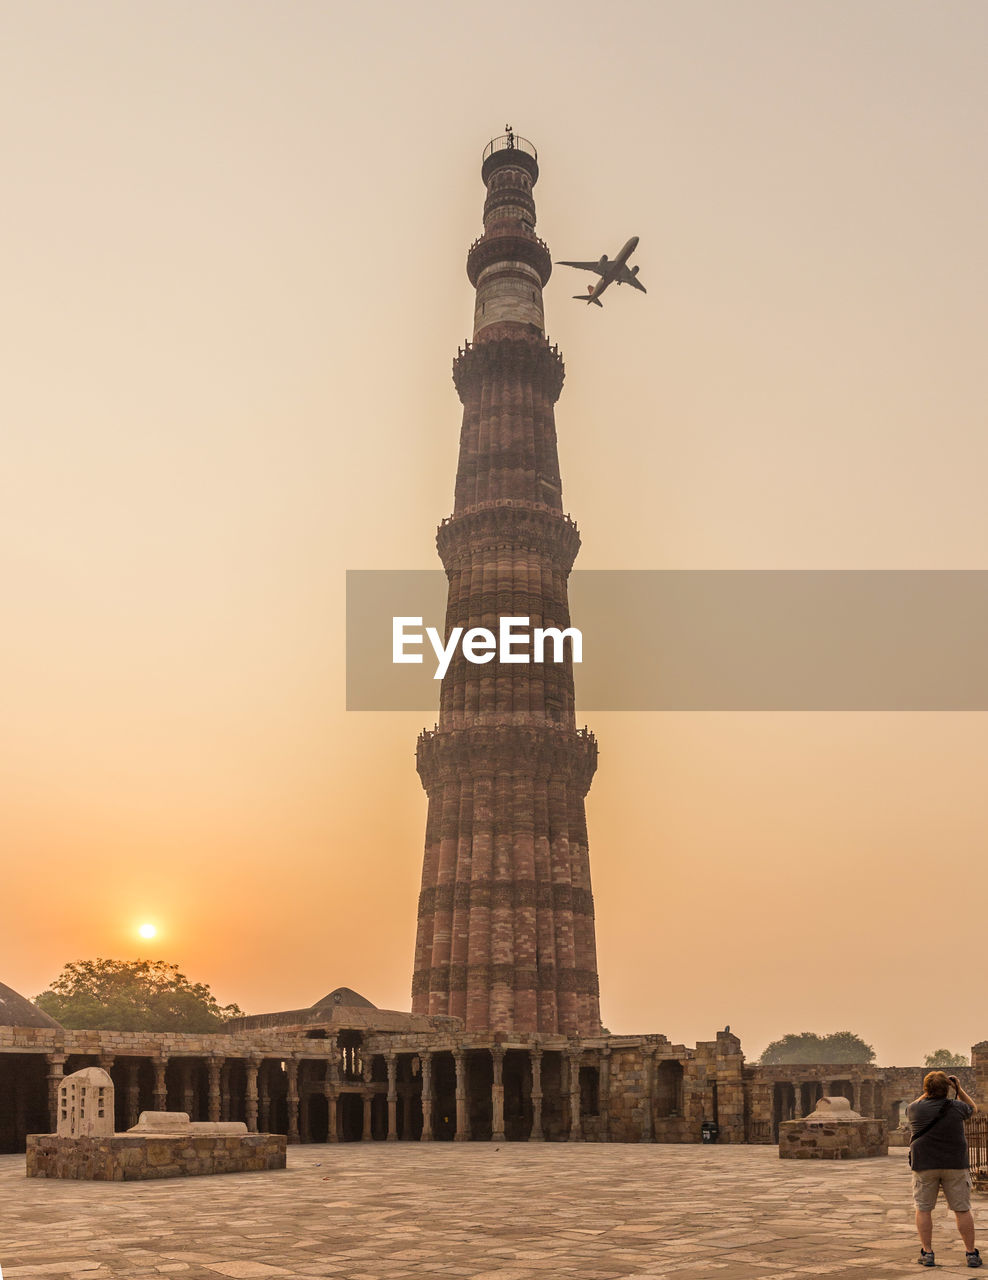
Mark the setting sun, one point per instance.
(147, 931)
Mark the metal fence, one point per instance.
(977, 1145)
(510, 142)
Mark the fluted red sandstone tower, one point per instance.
(506, 925)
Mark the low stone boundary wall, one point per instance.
(835, 1141)
(131, 1157)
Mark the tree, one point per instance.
(942, 1058)
(808, 1047)
(132, 995)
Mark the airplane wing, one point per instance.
(582, 266)
(629, 277)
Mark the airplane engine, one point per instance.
(602, 264)
(634, 271)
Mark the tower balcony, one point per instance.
(511, 149)
(517, 244)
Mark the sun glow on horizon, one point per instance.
(147, 931)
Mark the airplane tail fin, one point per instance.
(583, 297)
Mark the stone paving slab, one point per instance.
(370, 1211)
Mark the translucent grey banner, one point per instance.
(706, 640)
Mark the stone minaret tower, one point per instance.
(506, 926)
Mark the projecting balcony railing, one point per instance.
(510, 142)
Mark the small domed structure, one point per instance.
(15, 1011)
(344, 996)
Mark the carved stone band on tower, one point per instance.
(506, 922)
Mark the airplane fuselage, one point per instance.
(611, 268)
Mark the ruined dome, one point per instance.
(15, 1011)
(344, 996)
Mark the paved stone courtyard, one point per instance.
(383, 1212)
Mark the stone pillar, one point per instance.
(575, 1122)
(462, 1101)
(332, 1098)
(406, 1113)
(497, 1095)
(825, 1087)
(188, 1096)
(426, 1097)
(535, 1055)
(215, 1073)
(392, 1064)
(291, 1074)
(855, 1096)
(264, 1098)
(368, 1095)
(305, 1092)
(160, 1084)
(133, 1106)
(251, 1101)
(605, 1093)
(56, 1071)
(225, 1100)
(648, 1116)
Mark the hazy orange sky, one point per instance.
(233, 261)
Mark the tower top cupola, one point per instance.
(509, 264)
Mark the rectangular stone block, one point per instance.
(128, 1158)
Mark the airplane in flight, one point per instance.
(609, 270)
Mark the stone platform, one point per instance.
(443, 1211)
(131, 1157)
(833, 1132)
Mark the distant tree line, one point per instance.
(807, 1047)
(132, 995)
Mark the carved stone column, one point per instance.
(575, 1120)
(368, 1095)
(291, 1075)
(332, 1133)
(160, 1084)
(497, 1095)
(56, 1071)
(605, 1093)
(426, 1097)
(264, 1097)
(251, 1099)
(392, 1064)
(462, 1100)
(188, 1094)
(535, 1054)
(132, 1106)
(305, 1092)
(855, 1096)
(225, 1091)
(648, 1115)
(215, 1072)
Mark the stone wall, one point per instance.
(133, 1157)
(836, 1140)
(329, 1082)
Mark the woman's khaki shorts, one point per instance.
(956, 1185)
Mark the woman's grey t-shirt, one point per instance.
(945, 1146)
